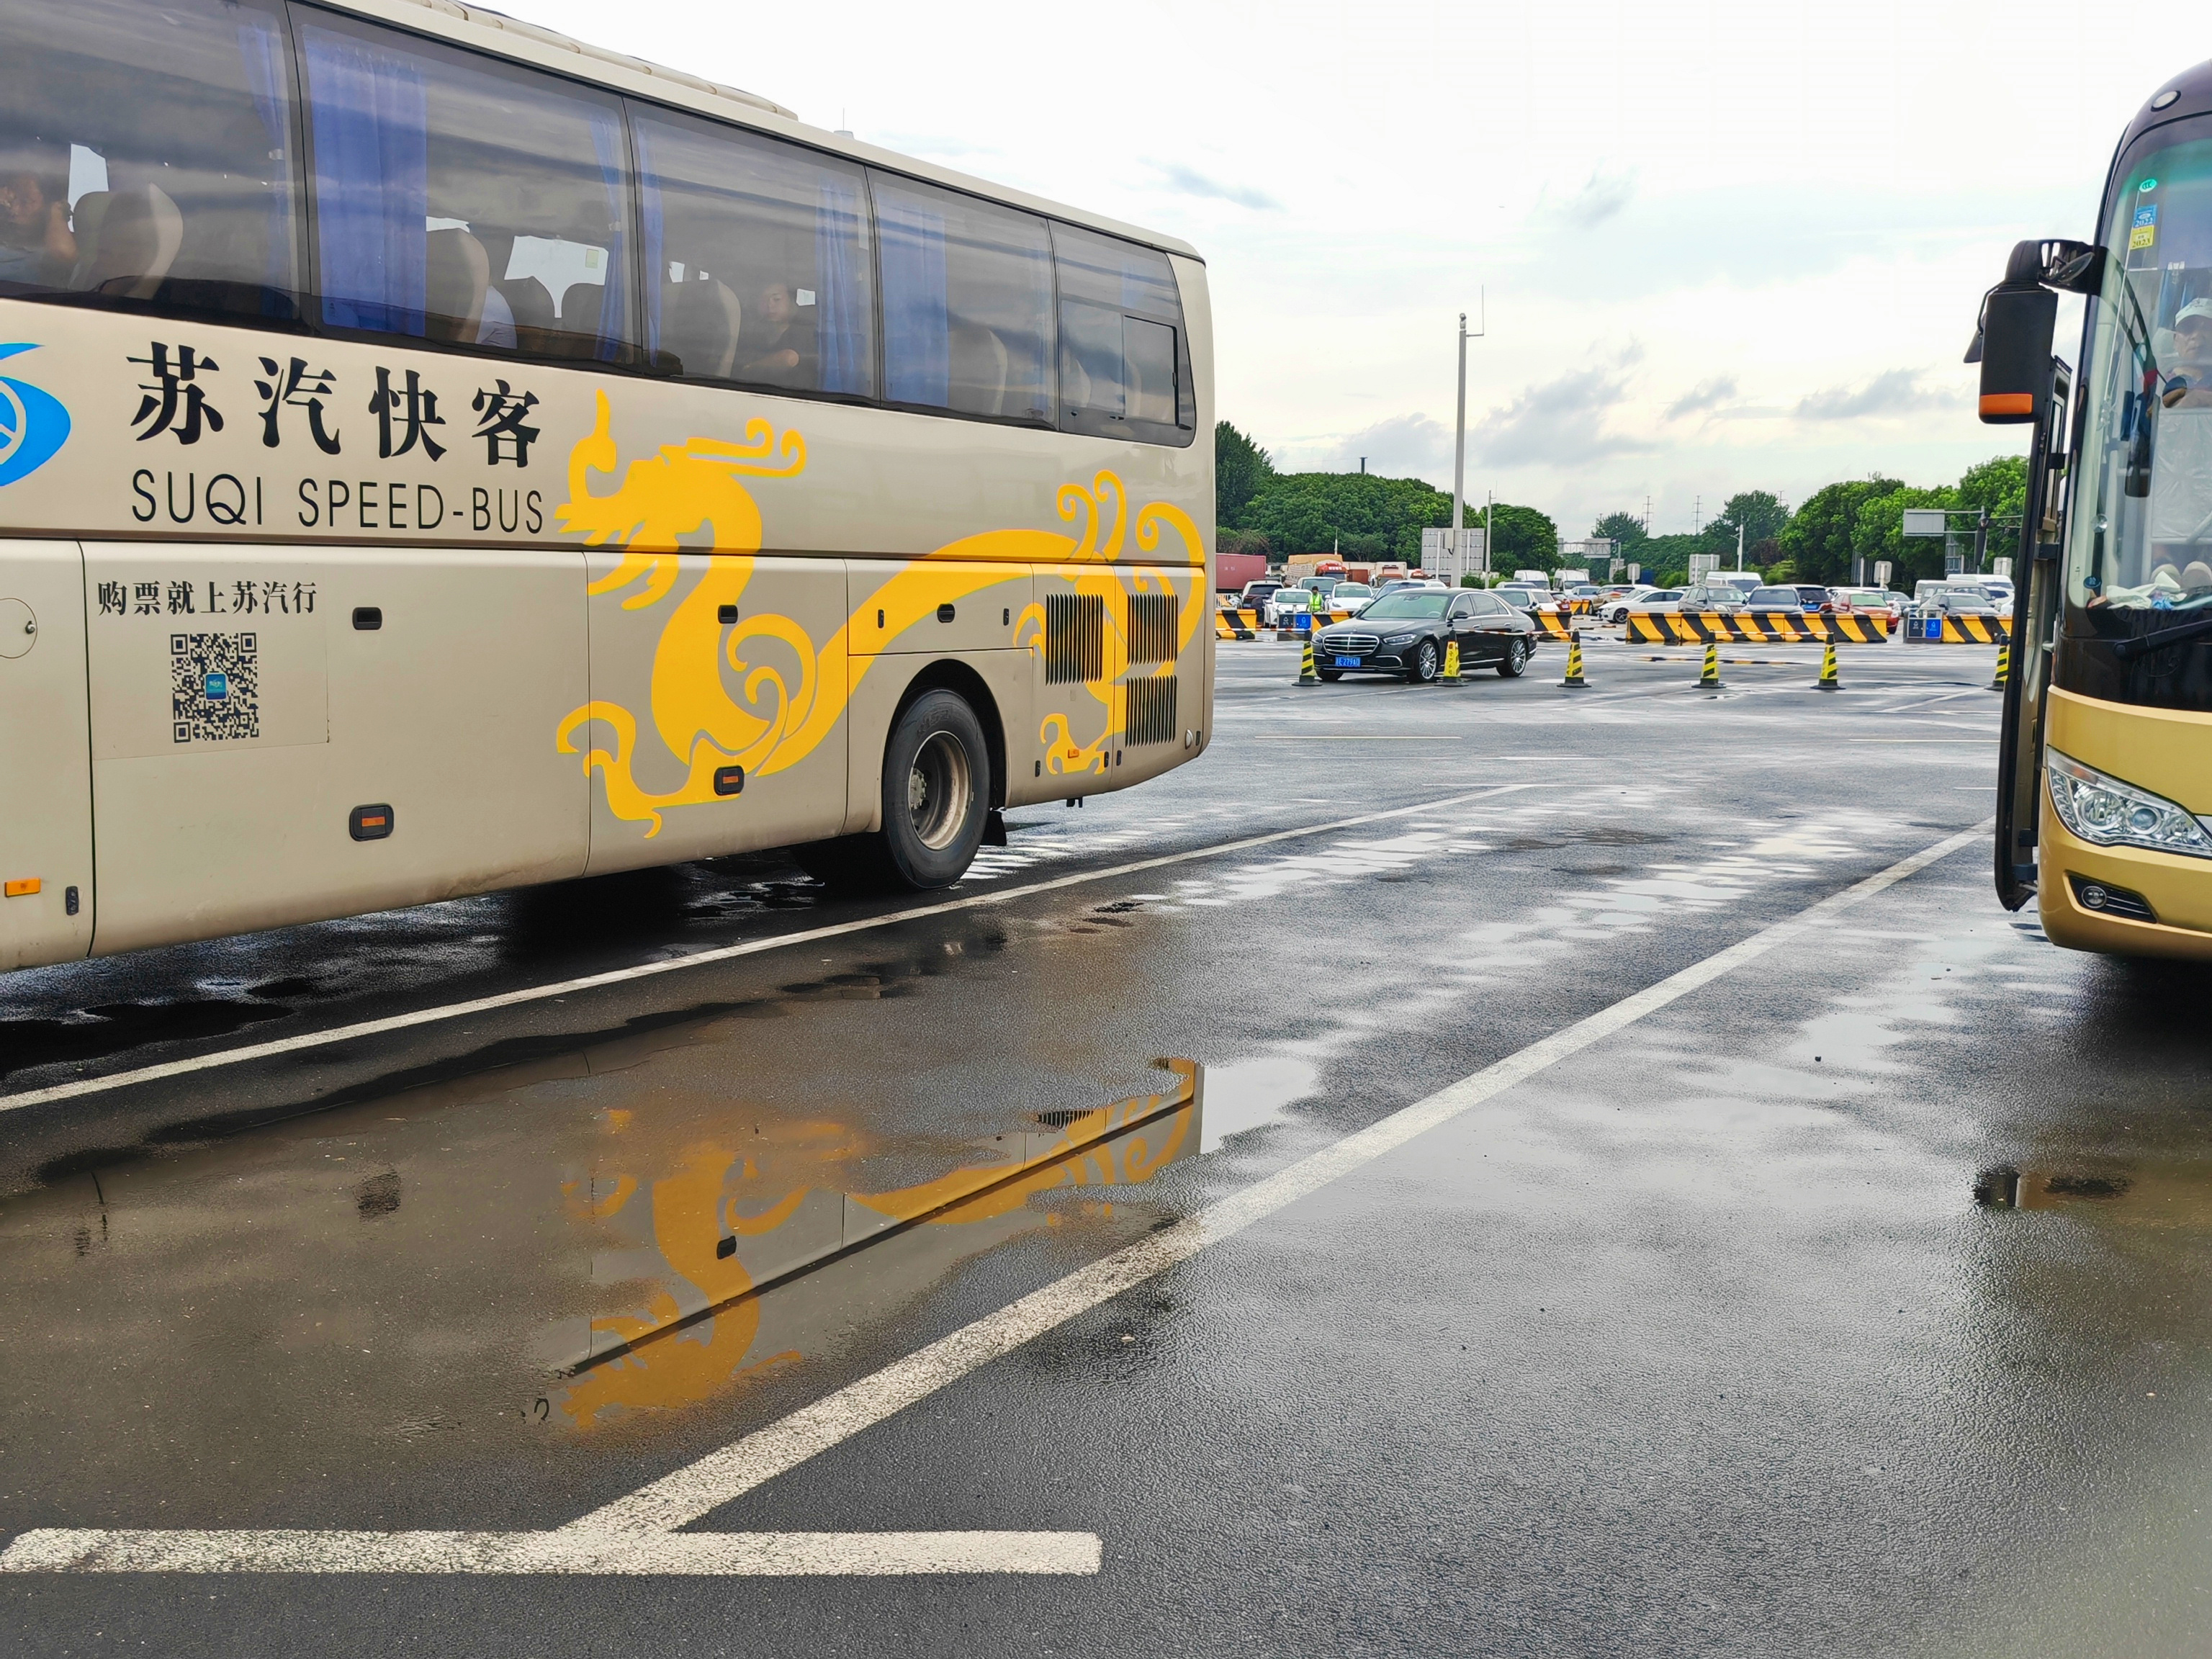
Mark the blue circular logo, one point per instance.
(33, 423)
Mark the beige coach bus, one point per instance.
(436, 455)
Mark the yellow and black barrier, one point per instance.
(1551, 625)
(1957, 630)
(1755, 628)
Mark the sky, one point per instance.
(1711, 247)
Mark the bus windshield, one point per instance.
(2140, 556)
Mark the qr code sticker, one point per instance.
(215, 683)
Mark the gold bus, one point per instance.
(2105, 808)
(437, 455)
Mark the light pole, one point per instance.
(1459, 439)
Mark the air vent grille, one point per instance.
(1152, 711)
(1153, 625)
(1074, 638)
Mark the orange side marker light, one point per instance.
(24, 888)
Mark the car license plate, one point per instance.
(1347, 662)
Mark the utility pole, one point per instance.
(1696, 515)
(1739, 549)
(1459, 441)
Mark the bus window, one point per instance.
(759, 256)
(966, 302)
(1121, 359)
(145, 154)
(461, 199)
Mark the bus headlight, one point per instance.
(2109, 813)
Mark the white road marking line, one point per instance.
(634, 1534)
(723, 953)
(687, 1494)
(729, 1554)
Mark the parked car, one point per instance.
(1742, 581)
(1578, 600)
(1641, 598)
(1775, 598)
(1713, 596)
(1256, 594)
(1350, 595)
(1874, 599)
(1404, 633)
(1286, 605)
(1526, 597)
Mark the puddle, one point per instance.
(539, 1240)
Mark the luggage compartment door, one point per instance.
(45, 756)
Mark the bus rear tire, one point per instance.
(936, 798)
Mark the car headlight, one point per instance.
(1396, 639)
(2107, 813)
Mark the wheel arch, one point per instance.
(951, 674)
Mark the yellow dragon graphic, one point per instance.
(772, 723)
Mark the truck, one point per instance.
(1232, 570)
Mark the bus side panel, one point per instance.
(1121, 689)
(46, 761)
(263, 755)
(968, 612)
(717, 717)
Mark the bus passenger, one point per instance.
(35, 242)
(786, 353)
(2190, 386)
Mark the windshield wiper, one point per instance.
(2128, 650)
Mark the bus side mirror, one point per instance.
(2017, 325)
(2013, 341)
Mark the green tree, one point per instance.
(1241, 469)
(1622, 527)
(1666, 559)
(1999, 484)
(1360, 514)
(1878, 532)
(1526, 539)
(1757, 513)
(1819, 539)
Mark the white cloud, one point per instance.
(1188, 181)
(1771, 195)
(1894, 392)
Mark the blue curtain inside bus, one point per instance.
(653, 229)
(607, 146)
(261, 48)
(371, 115)
(917, 334)
(841, 328)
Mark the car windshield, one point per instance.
(1863, 598)
(1765, 597)
(1407, 605)
(1961, 595)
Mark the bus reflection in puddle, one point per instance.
(577, 1239)
(690, 1243)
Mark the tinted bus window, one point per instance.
(758, 257)
(145, 153)
(461, 199)
(966, 302)
(1123, 363)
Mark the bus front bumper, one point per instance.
(2178, 889)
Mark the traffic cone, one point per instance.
(1827, 681)
(1574, 681)
(2004, 667)
(1451, 674)
(1711, 679)
(1306, 675)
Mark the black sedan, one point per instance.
(1405, 634)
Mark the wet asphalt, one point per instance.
(1854, 1303)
